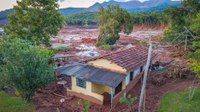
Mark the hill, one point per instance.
(130, 6)
(136, 5)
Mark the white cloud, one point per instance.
(7, 4)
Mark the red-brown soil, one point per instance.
(47, 101)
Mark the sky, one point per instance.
(7, 4)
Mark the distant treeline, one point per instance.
(143, 18)
(149, 18)
(84, 19)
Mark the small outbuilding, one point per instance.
(105, 79)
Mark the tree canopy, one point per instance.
(186, 16)
(195, 53)
(25, 66)
(112, 20)
(83, 19)
(180, 17)
(35, 20)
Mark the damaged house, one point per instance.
(105, 79)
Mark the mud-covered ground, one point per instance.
(82, 42)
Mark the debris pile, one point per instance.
(49, 99)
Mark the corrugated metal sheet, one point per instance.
(93, 74)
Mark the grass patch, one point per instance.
(14, 104)
(106, 47)
(179, 102)
(62, 48)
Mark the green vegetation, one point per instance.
(106, 47)
(84, 19)
(25, 66)
(85, 104)
(62, 48)
(155, 18)
(128, 101)
(14, 104)
(150, 18)
(35, 20)
(179, 102)
(186, 16)
(180, 17)
(112, 20)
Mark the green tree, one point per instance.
(112, 20)
(35, 20)
(195, 52)
(25, 66)
(188, 15)
(180, 17)
(195, 27)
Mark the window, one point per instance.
(131, 76)
(80, 83)
(141, 68)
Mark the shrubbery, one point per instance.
(106, 47)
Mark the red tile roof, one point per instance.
(130, 59)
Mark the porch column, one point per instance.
(112, 93)
(127, 81)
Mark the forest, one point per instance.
(155, 18)
(83, 19)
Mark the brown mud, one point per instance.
(83, 41)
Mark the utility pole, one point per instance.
(186, 39)
(143, 90)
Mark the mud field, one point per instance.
(82, 41)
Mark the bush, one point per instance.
(63, 48)
(106, 47)
(25, 66)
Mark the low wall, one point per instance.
(85, 97)
(130, 86)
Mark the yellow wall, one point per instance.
(103, 63)
(100, 89)
(123, 84)
(85, 91)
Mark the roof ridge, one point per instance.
(98, 57)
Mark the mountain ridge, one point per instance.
(130, 6)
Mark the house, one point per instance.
(104, 79)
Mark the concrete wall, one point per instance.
(123, 84)
(128, 78)
(136, 72)
(129, 87)
(100, 89)
(88, 91)
(103, 63)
